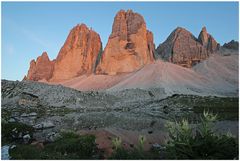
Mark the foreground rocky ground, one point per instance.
(51, 109)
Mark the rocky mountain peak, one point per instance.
(180, 29)
(78, 54)
(183, 48)
(204, 29)
(41, 69)
(32, 62)
(207, 40)
(126, 23)
(232, 45)
(44, 54)
(130, 45)
(43, 58)
(203, 37)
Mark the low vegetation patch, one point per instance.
(201, 142)
(25, 152)
(69, 146)
(132, 154)
(13, 132)
(73, 146)
(226, 108)
(185, 142)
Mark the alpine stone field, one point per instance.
(125, 89)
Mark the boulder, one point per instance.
(44, 125)
(157, 146)
(53, 136)
(32, 114)
(26, 138)
(24, 115)
(12, 120)
(130, 45)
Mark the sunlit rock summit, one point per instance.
(41, 69)
(130, 45)
(78, 54)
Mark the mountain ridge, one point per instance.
(130, 49)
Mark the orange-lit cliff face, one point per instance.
(130, 45)
(41, 69)
(78, 54)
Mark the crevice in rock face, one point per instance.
(30, 94)
(98, 60)
(130, 46)
(149, 49)
(174, 42)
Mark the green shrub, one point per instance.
(8, 133)
(69, 146)
(120, 153)
(202, 143)
(136, 153)
(141, 141)
(117, 143)
(22, 152)
(73, 146)
(124, 154)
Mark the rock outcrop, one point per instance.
(78, 54)
(232, 45)
(182, 48)
(130, 45)
(41, 69)
(208, 41)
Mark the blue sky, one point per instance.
(30, 28)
